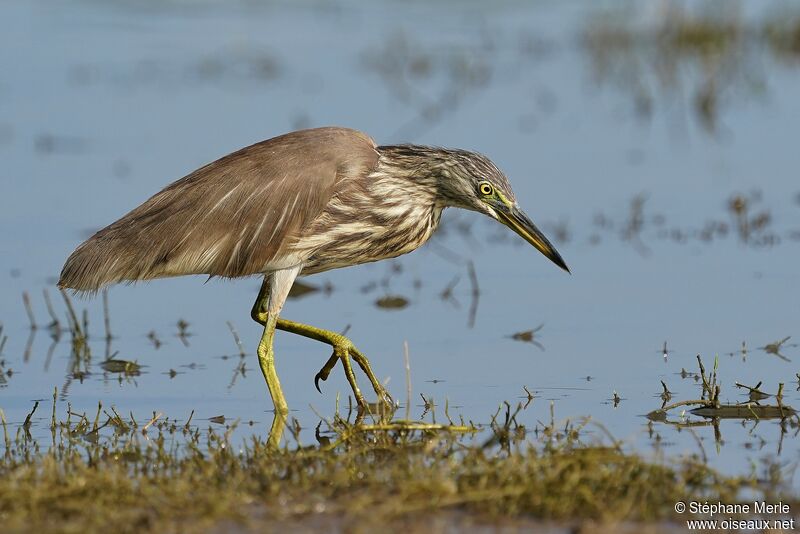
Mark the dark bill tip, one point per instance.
(558, 260)
(516, 219)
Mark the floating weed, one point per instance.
(529, 336)
(709, 405)
(744, 411)
(392, 302)
(123, 367)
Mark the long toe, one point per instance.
(325, 372)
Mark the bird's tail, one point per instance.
(96, 263)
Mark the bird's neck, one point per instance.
(390, 213)
(404, 176)
(410, 190)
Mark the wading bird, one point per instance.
(304, 202)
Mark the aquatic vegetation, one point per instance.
(708, 54)
(709, 405)
(167, 475)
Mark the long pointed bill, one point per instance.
(516, 219)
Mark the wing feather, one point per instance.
(233, 217)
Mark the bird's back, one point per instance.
(234, 217)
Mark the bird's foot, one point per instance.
(343, 349)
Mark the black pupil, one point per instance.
(486, 189)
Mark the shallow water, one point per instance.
(100, 106)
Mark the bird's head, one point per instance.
(471, 181)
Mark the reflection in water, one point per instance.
(747, 220)
(529, 336)
(709, 55)
(754, 393)
(152, 336)
(433, 82)
(775, 347)
(183, 332)
(741, 352)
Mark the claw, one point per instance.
(326, 370)
(317, 378)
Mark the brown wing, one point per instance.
(233, 217)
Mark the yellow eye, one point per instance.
(486, 189)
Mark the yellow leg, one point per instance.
(343, 349)
(266, 359)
